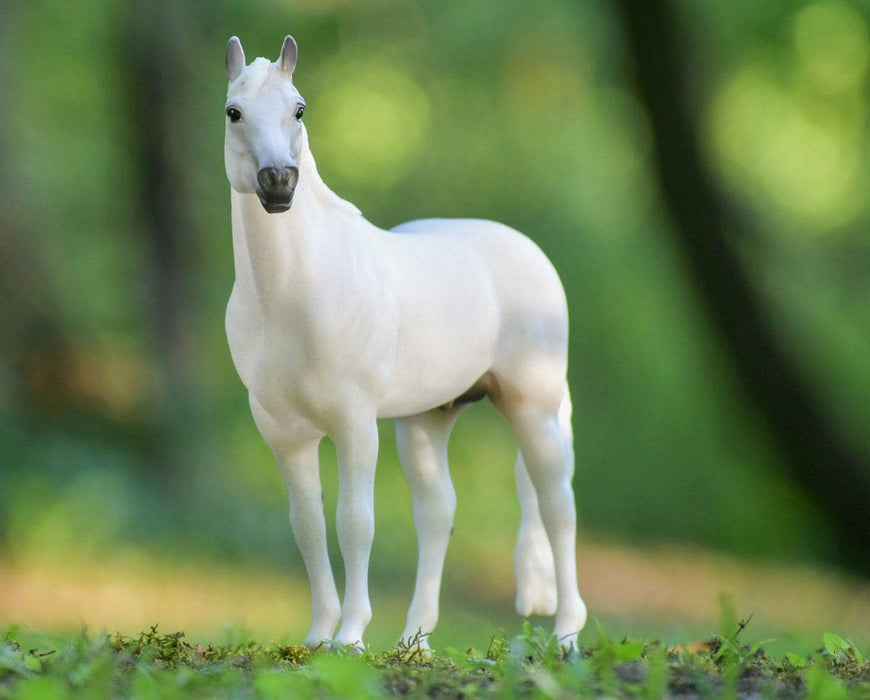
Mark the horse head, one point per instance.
(264, 131)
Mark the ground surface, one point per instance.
(153, 664)
(672, 594)
(74, 628)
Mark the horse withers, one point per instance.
(334, 323)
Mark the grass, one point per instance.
(651, 605)
(154, 664)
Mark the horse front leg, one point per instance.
(357, 452)
(299, 465)
(422, 443)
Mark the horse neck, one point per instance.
(284, 256)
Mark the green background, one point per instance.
(123, 426)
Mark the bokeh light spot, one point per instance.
(775, 152)
(372, 121)
(831, 41)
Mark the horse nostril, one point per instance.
(278, 178)
(292, 176)
(266, 177)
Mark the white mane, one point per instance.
(310, 177)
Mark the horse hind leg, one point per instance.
(534, 570)
(422, 445)
(544, 471)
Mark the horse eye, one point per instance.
(299, 113)
(233, 114)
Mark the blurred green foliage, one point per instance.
(514, 111)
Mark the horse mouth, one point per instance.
(276, 206)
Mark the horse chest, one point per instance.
(306, 364)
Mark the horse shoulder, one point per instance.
(240, 328)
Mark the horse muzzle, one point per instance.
(275, 187)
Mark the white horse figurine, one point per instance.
(334, 323)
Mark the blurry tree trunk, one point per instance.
(817, 457)
(154, 76)
(40, 352)
(153, 79)
(33, 344)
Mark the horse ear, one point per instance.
(235, 58)
(289, 53)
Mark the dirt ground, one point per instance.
(672, 586)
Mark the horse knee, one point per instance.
(434, 508)
(547, 455)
